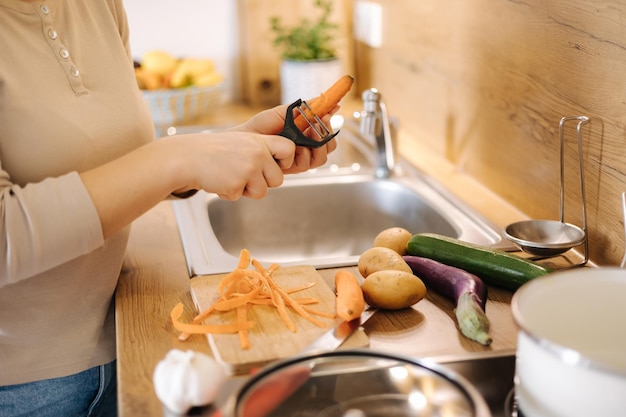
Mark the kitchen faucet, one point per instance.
(375, 125)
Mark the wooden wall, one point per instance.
(485, 83)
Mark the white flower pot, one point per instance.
(307, 79)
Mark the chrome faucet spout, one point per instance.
(375, 124)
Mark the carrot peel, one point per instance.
(191, 328)
(242, 289)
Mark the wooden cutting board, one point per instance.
(270, 339)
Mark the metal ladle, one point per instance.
(547, 238)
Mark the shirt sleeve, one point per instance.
(44, 224)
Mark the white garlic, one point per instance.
(186, 379)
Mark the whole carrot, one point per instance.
(350, 302)
(326, 101)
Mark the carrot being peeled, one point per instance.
(327, 101)
(350, 301)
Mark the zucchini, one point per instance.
(495, 267)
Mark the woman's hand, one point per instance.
(231, 164)
(244, 161)
(272, 121)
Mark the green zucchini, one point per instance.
(495, 267)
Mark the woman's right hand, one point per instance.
(243, 162)
(231, 164)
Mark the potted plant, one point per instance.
(309, 57)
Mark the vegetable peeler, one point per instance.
(291, 131)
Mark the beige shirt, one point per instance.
(68, 102)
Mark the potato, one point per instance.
(394, 238)
(381, 259)
(393, 290)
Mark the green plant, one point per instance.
(308, 40)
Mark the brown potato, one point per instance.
(393, 290)
(394, 238)
(381, 259)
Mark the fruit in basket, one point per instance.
(158, 62)
(147, 80)
(159, 69)
(188, 70)
(208, 79)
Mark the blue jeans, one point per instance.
(91, 393)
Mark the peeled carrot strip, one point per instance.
(326, 102)
(270, 269)
(177, 311)
(229, 280)
(279, 302)
(318, 313)
(244, 336)
(203, 315)
(240, 289)
(244, 259)
(282, 312)
(350, 302)
(297, 289)
(297, 307)
(268, 301)
(234, 302)
(258, 266)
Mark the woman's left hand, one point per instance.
(271, 122)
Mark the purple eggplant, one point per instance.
(467, 290)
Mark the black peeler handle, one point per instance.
(291, 131)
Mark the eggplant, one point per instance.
(467, 290)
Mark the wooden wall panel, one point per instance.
(486, 82)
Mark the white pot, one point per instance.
(307, 79)
(571, 351)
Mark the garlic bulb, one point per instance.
(186, 379)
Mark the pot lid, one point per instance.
(357, 383)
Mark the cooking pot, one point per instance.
(356, 383)
(571, 349)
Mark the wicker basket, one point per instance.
(181, 105)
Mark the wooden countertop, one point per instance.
(154, 279)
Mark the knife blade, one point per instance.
(333, 338)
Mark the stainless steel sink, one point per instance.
(325, 218)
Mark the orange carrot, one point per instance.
(325, 102)
(350, 301)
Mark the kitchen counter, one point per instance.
(154, 279)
